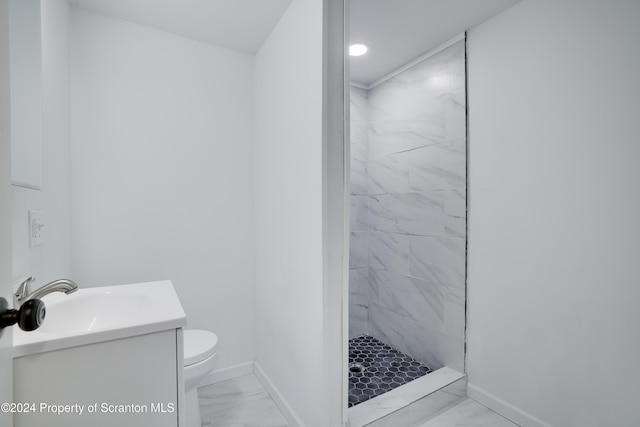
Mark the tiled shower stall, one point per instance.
(408, 210)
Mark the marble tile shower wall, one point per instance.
(410, 220)
(359, 247)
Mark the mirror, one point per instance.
(26, 93)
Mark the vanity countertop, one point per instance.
(92, 315)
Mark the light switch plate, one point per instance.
(35, 227)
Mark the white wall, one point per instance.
(52, 259)
(6, 340)
(162, 180)
(288, 211)
(554, 240)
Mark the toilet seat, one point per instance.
(198, 345)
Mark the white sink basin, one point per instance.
(92, 315)
(93, 311)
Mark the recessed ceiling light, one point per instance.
(358, 49)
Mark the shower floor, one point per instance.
(375, 368)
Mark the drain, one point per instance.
(356, 368)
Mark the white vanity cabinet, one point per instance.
(121, 374)
(126, 382)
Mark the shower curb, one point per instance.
(413, 402)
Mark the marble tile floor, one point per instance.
(243, 402)
(239, 402)
(467, 413)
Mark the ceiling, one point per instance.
(236, 24)
(398, 31)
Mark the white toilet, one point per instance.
(200, 353)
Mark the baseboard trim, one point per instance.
(288, 412)
(506, 409)
(227, 373)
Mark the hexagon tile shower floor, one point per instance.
(376, 368)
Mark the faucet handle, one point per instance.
(23, 289)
